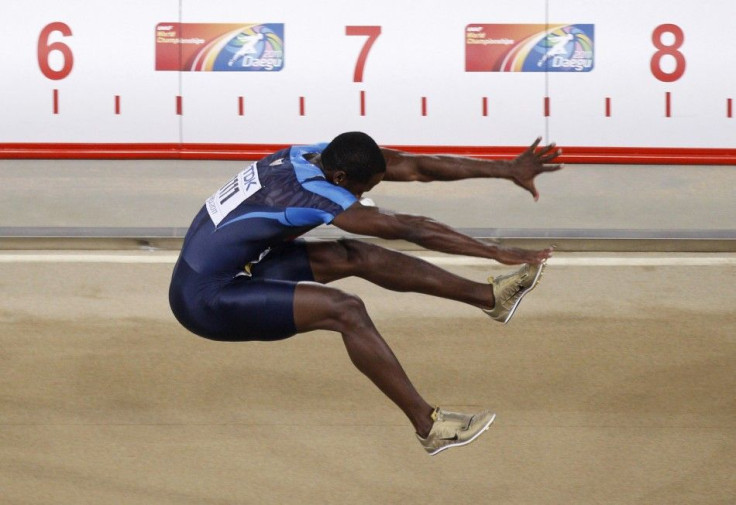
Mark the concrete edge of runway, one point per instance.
(566, 240)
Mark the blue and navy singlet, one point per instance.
(255, 216)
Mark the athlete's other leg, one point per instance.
(393, 270)
(321, 307)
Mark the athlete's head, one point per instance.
(354, 160)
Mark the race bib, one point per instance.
(232, 194)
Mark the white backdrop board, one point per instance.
(608, 74)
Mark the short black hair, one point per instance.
(355, 153)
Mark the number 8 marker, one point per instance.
(668, 50)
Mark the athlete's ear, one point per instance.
(339, 177)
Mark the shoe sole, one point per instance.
(466, 442)
(523, 293)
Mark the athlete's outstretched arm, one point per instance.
(403, 166)
(429, 234)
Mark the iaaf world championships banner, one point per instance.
(529, 48)
(220, 47)
(488, 47)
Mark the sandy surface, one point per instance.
(612, 385)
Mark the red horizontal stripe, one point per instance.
(572, 154)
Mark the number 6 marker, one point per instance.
(45, 49)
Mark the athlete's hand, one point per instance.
(516, 256)
(531, 163)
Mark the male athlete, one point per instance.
(242, 275)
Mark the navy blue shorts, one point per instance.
(236, 309)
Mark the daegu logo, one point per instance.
(565, 49)
(260, 47)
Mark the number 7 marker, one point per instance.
(372, 32)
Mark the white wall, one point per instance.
(419, 53)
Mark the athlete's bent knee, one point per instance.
(350, 312)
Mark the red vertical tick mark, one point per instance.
(55, 101)
(117, 105)
(608, 107)
(179, 105)
(241, 106)
(729, 108)
(485, 106)
(362, 103)
(668, 104)
(424, 106)
(302, 107)
(546, 106)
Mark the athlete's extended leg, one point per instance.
(393, 270)
(321, 307)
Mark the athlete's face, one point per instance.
(358, 188)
